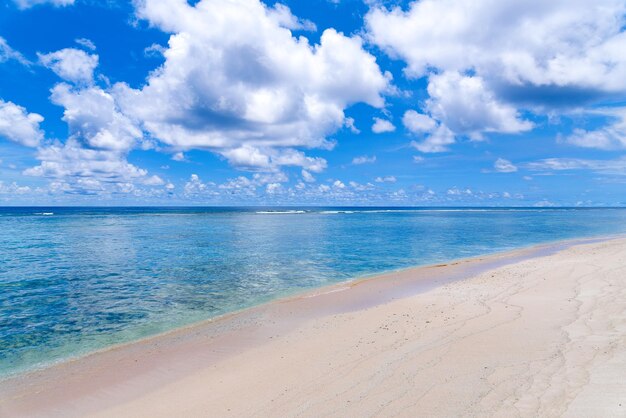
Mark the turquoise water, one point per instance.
(73, 280)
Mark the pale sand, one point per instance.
(538, 336)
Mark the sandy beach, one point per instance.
(534, 332)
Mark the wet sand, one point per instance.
(534, 332)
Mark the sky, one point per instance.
(317, 102)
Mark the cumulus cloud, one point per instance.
(77, 169)
(239, 187)
(94, 118)
(272, 188)
(361, 187)
(308, 177)
(437, 141)
(418, 122)
(485, 61)
(364, 159)
(195, 186)
(251, 93)
(13, 189)
(93, 159)
(339, 184)
(17, 125)
(282, 15)
(611, 136)
(557, 43)
(26, 4)
(436, 137)
(235, 81)
(247, 157)
(460, 105)
(455, 191)
(466, 106)
(382, 125)
(504, 166)
(179, 156)
(71, 64)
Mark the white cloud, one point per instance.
(611, 136)
(538, 43)
(339, 184)
(504, 166)
(179, 156)
(7, 53)
(251, 158)
(282, 15)
(382, 125)
(364, 159)
(247, 156)
(436, 136)
(361, 187)
(290, 157)
(466, 106)
(386, 179)
(236, 187)
(17, 125)
(272, 188)
(437, 141)
(93, 159)
(235, 81)
(485, 61)
(544, 204)
(26, 4)
(460, 105)
(195, 186)
(154, 50)
(13, 189)
(71, 64)
(455, 191)
(349, 123)
(77, 169)
(87, 43)
(95, 119)
(308, 177)
(613, 166)
(418, 122)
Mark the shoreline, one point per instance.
(541, 249)
(139, 365)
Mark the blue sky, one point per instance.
(345, 102)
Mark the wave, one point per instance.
(420, 210)
(280, 212)
(45, 213)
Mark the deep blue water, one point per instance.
(73, 280)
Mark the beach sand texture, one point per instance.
(537, 336)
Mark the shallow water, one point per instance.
(74, 280)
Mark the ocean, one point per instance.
(75, 280)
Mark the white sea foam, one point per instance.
(339, 289)
(280, 212)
